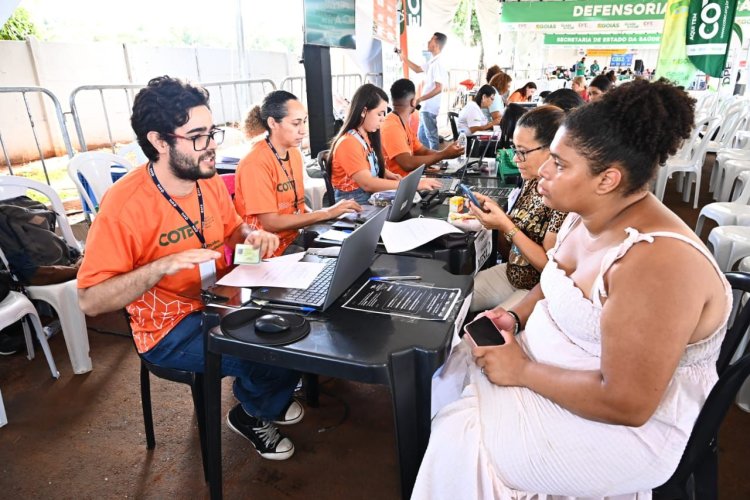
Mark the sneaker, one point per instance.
(293, 414)
(266, 438)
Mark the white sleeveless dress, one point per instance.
(512, 443)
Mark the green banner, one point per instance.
(709, 33)
(673, 63)
(603, 39)
(582, 10)
(329, 23)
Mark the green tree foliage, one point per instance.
(469, 34)
(18, 26)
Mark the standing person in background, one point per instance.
(269, 192)
(357, 168)
(594, 68)
(524, 94)
(579, 87)
(435, 79)
(402, 150)
(581, 67)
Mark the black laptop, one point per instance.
(355, 257)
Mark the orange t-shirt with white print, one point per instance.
(349, 157)
(135, 226)
(262, 187)
(397, 138)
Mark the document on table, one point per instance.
(409, 234)
(292, 257)
(283, 274)
(334, 235)
(404, 299)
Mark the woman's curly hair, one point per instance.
(638, 125)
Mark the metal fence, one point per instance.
(34, 122)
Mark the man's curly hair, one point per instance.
(638, 125)
(163, 106)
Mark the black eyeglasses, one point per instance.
(520, 154)
(201, 142)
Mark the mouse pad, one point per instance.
(240, 325)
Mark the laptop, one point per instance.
(355, 257)
(403, 200)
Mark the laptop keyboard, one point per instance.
(316, 292)
(495, 192)
(448, 183)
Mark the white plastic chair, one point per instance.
(133, 153)
(735, 213)
(315, 190)
(63, 297)
(96, 168)
(729, 244)
(232, 137)
(693, 165)
(730, 166)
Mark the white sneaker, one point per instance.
(294, 413)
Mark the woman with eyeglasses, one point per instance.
(529, 228)
(471, 119)
(357, 168)
(270, 193)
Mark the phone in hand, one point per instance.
(470, 195)
(483, 332)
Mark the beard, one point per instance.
(184, 167)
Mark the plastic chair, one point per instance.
(133, 153)
(63, 297)
(192, 379)
(14, 307)
(95, 168)
(324, 163)
(693, 165)
(729, 168)
(730, 244)
(452, 116)
(735, 213)
(315, 190)
(696, 475)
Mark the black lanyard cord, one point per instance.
(198, 234)
(288, 177)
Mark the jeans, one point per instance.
(264, 391)
(359, 195)
(428, 131)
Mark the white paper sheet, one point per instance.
(334, 235)
(282, 274)
(409, 234)
(292, 257)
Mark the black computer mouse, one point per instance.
(271, 323)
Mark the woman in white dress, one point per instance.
(471, 119)
(598, 394)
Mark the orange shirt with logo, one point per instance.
(397, 138)
(135, 226)
(349, 157)
(262, 187)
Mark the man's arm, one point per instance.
(412, 65)
(426, 156)
(119, 291)
(432, 93)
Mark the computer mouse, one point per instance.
(271, 323)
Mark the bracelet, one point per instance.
(517, 329)
(510, 234)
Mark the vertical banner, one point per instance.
(413, 12)
(385, 21)
(673, 63)
(401, 6)
(709, 33)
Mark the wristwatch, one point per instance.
(510, 234)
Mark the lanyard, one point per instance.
(372, 158)
(408, 139)
(290, 179)
(198, 234)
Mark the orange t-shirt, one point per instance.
(349, 157)
(135, 226)
(262, 187)
(515, 97)
(397, 139)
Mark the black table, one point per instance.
(372, 348)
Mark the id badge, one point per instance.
(208, 274)
(246, 254)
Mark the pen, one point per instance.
(396, 278)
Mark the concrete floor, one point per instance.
(82, 436)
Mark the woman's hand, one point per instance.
(391, 176)
(492, 217)
(429, 183)
(503, 364)
(342, 207)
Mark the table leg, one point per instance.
(411, 385)
(213, 422)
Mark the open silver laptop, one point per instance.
(403, 200)
(355, 257)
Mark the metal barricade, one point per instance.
(346, 85)
(237, 96)
(374, 78)
(60, 120)
(297, 86)
(456, 94)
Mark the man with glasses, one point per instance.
(402, 150)
(158, 240)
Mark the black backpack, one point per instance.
(29, 241)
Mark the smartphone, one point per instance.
(483, 332)
(469, 194)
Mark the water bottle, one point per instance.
(461, 142)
